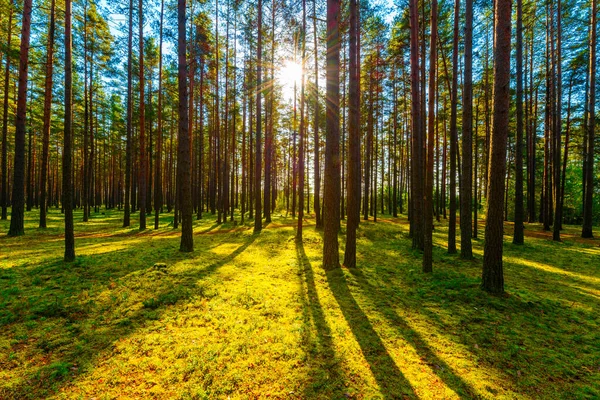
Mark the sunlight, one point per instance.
(289, 74)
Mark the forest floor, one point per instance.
(248, 316)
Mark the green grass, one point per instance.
(248, 316)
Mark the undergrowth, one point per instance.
(248, 316)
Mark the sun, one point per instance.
(289, 73)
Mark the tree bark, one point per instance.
(257, 156)
(67, 195)
(47, 114)
(4, 197)
(493, 275)
(17, 217)
(428, 242)
(518, 236)
(466, 188)
(183, 153)
(331, 215)
(587, 231)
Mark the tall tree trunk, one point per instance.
(4, 196)
(257, 155)
(67, 193)
(17, 216)
(47, 114)
(557, 130)
(416, 217)
(183, 137)
(354, 180)
(453, 134)
(331, 215)
(428, 242)
(519, 211)
(466, 188)
(158, 201)
(129, 145)
(302, 126)
(143, 171)
(587, 231)
(317, 150)
(493, 275)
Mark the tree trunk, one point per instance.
(587, 231)
(493, 275)
(67, 195)
(317, 162)
(428, 242)
(158, 201)
(416, 217)
(47, 114)
(331, 215)
(302, 127)
(183, 153)
(142, 172)
(466, 194)
(453, 134)
(4, 198)
(257, 155)
(519, 211)
(129, 145)
(354, 180)
(17, 217)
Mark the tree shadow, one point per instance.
(391, 381)
(325, 371)
(440, 367)
(81, 332)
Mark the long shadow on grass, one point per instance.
(325, 374)
(440, 367)
(85, 338)
(391, 381)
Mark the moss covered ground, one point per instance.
(253, 316)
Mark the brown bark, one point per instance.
(331, 215)
(428, 240)
(17, 216)
(257, 155)
(453, 134)
(4, 196)
(183, 153)
(518, 235)
(67, 194)
(47, 114)
(587, 231)
(493, 275)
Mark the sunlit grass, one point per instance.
(248, 316)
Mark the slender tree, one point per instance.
(257, 156)
(67, 195)
(4, 196)
(184, 164)
(453, 134)
(143, 168)
(158, 201)
(493, 275)
(331, 212)
(301, 149)
(518, 236)
(353, 139)
(129, 128)
(17, 217)
(47, 114)
(466, 187)
(428, 242)
(416, 214)
(587, 231)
